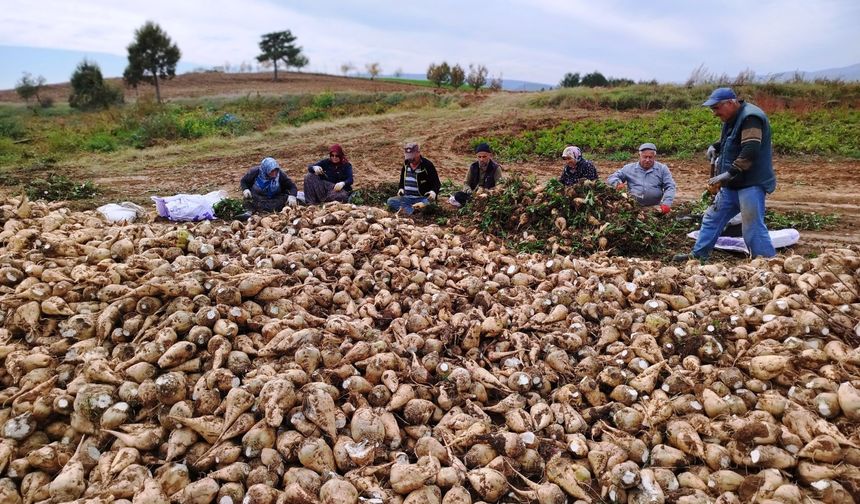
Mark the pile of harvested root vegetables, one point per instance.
(344, 355)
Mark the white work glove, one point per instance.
(317, 169)
(719, 178)
(400, 192)
(431, 195)
(246, 193)
(711, 154)
(291, 200)
(339, 186)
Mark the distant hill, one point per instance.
(848, 74)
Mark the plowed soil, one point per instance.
(373, 144)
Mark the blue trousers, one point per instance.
(728, 202)
(405, 202)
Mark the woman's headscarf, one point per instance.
(337, 149)
(572, 151)
(268, 186)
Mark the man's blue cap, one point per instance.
(719, 95)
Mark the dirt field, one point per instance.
(373, 144)
(195, 85)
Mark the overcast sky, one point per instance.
(533, 40)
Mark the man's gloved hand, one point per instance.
(711, 154)
(246, 193)
(663, 209)
(619, 186)
(339, 186)
(317, 169)
(431, 195)
(724, 177)
(291, 200)
(400, 192)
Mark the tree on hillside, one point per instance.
(477, 76)
(89, 90)
(373, 69)
(594, 79)
(279, 46)
(458, 77)
(345, 68)
(496, 83)
(439, 74)
(151, 57)
(570, 80)
(28, 87)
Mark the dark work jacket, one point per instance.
(491, 175)
(286, 185)
(761, 172)
(335, 173)
(428, 180)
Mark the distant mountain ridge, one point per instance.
(849, 74)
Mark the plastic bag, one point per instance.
(122, 212)
(188, 207)
(780, 238)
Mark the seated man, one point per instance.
(576, 167)
(267, 188)
(484, 173)
(648, 181)
(419, 183)
(329, 179)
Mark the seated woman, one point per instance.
(267, 188)
(576, 167)
(329, 179)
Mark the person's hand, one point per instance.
(400, 192)
(317, 169)
(431, 195)
(663, 209)
(726, 176)
(291, 200)
(246, 193)
(339, 186)
(711, 154)
(619, 186)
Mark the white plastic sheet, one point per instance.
(121, 212)
(780, 238)
(188, 207)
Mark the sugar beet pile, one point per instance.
(344, 355)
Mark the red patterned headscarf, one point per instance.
(337, 149)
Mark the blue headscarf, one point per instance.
(268, 186)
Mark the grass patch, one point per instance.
(228, 208)
(682, 133)
(802, 221)
(59, 187)
(375, 195)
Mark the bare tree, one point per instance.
(496, 83)
(345, 68)
(477, 77)
(457, 77)
(398, 73)
(373, 69)
(699, 75)
(746, 76)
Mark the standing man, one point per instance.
(744, 176)
(419, 183)
(485, 173)
(649, 181)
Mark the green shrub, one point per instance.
(59, 187)
(11, 127)
(102, 142)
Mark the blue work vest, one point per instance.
(761, 172)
